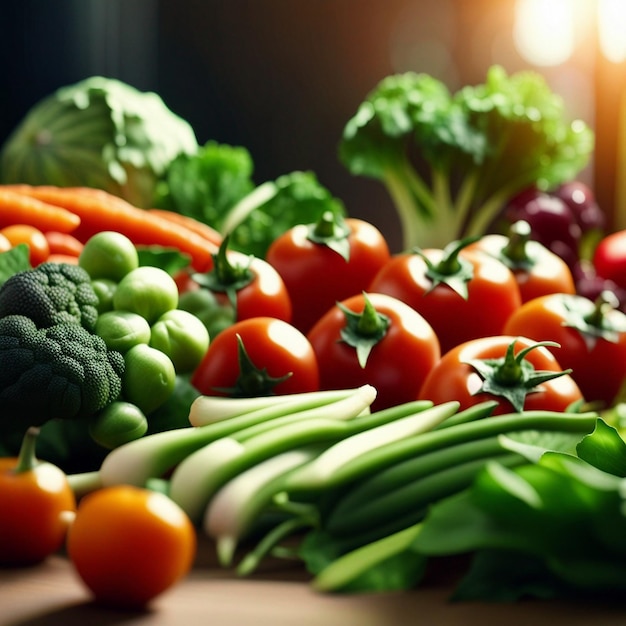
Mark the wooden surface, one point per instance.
(51, 594)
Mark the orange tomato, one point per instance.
(5, 244)
(130, 544)
(32, 237)
(36, 499)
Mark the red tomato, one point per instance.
(316, 274)
(592, 339)
(36, 497)
(537, 270)
(129, 545)
(38, 246)
(609, 258)
(254, 287)
(405, 347)
(280, 360)
(63, 243)
(492, 292)
(453, 378)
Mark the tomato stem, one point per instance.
(363, 330)
(252, 381)
(515, 251)
(513, 377)
(605, 302)
(331, 231)
(27, 458)
(226, 277)
(450, 270)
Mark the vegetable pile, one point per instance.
(264, 367)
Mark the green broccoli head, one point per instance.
(59, 372)
(51, 294)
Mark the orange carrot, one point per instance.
(19, 208)
(99, 210)
(204, 230)
(63, 243)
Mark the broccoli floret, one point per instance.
(50, 294)
(60, 372)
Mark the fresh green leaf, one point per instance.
(450, 161)
(215, 186)
(605, 449)
(207, 184)
(169, 259)
(274, 207)
(13, 261)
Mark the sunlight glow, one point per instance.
(611, 29)
(544, 31)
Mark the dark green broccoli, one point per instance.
(50, 294)
(60, 372)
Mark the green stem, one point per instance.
(378, 459)
(84, 483)
(27, 458)
(252, 560)
(343, 570)
(238, 214)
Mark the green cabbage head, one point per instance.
(100, 133)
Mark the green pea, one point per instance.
(149, 377)
(117, 424)
(121, 330)
(183, 337)
(149, 291)
(108, 254)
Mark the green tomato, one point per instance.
(117, 424)
(121, 330)
(148, 291)
(109, 254)
(104, 289)
(149, 377)
(183, 337)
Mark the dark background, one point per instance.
(280, 77)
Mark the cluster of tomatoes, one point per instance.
(50, 245)
(146, 543)
(414, 324)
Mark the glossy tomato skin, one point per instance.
(5, 244)
(493, 295)
(34, 505)
(271, 344)
(130, 544)
(609, 258)
(546, 273)
(38, 246)
(397, 364)
(453, 379)
(317, 277)
(599, 367)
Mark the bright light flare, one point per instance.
(544, 31)
(612, 29)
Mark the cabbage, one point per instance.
(100, 133)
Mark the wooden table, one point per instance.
(278, 596)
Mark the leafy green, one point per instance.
(451, 160)
(14, 260)
(552, 528)
(216, 186)
(205, 185)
